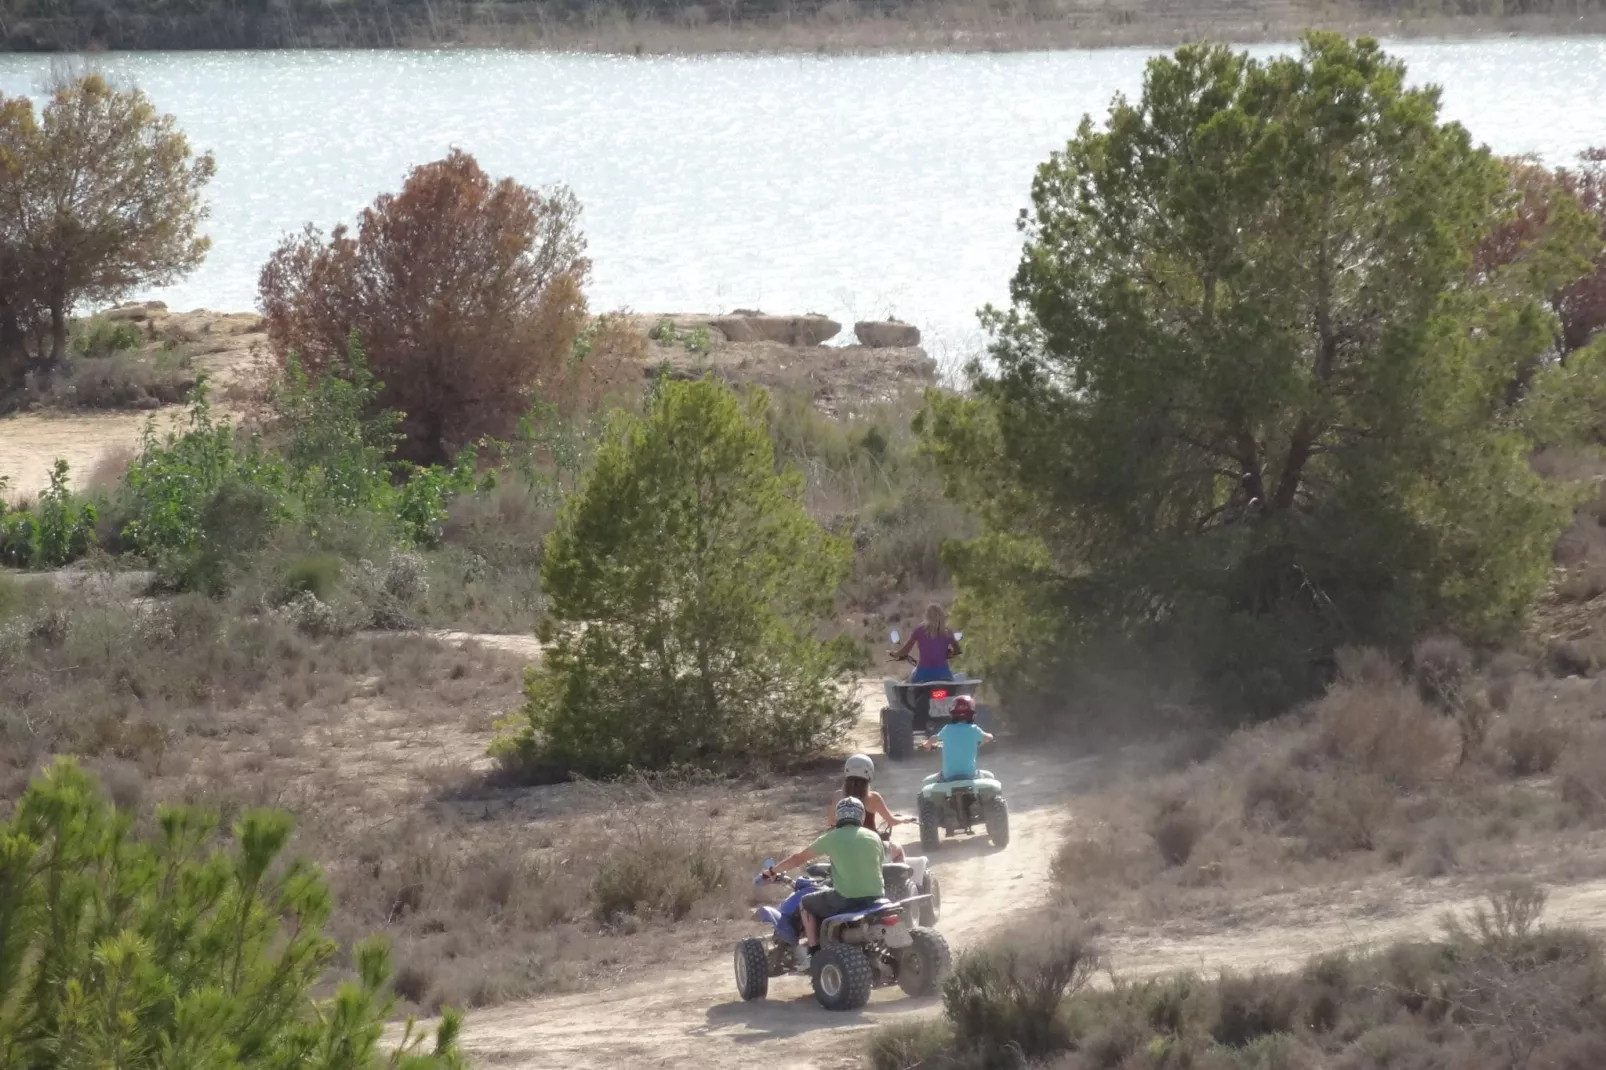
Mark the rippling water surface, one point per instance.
(856, 187)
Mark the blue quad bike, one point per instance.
(922, 709)
(859, 951)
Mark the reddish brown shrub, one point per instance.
(465, 294)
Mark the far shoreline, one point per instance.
(840, 29)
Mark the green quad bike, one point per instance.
(952, 806)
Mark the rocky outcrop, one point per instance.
(137, 312)
(787, 330)
(886, 334)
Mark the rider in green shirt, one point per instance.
(856, 857)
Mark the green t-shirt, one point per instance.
(855, 854)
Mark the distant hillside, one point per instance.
(665, 26)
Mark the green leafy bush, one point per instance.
(686, 581)
(176, 951)
(59, 529)
(171, 486)
(199, 500)
(99, 336)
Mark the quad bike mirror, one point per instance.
(895, 637)
(959, 635)
(769, 863)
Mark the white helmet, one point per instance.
(849, 811)
(860, 766)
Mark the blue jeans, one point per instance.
(931, 676)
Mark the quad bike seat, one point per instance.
(864, 912)
(981, 774)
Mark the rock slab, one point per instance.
(787, 330)
(886, 334)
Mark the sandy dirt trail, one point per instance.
(693, 1018)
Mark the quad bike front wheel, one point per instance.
(930, 829)
(842, 977)
(931, 907)
(998, 822)
(752, 969)
(923, 964)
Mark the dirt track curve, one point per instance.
(692, 1018)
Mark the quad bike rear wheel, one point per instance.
(752, 969)
(930, 829)
(842, 977)
(923, 964)
(997, 812)
(930, 908)
(897, 734)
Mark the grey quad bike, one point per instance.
(921, 709)
(954, 806)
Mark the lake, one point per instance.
(854, 186)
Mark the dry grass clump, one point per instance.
(1374, 721)
(1582, 782)
(1176, 829)
(123, 380)
(1496, 992)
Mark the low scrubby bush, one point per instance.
(1006, 998)
(124, 381)
(1496, 992)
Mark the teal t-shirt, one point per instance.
(960, 742)
(855, 854)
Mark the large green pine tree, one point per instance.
(1250, 401)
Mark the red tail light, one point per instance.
(889, 919)
(940, 693)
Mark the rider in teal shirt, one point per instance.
(960, 739)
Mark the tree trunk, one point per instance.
(46, 364)
(13, 351)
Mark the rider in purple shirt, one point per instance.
(936, 645)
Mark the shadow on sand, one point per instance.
(794, 1015)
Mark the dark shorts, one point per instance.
(826, 903)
